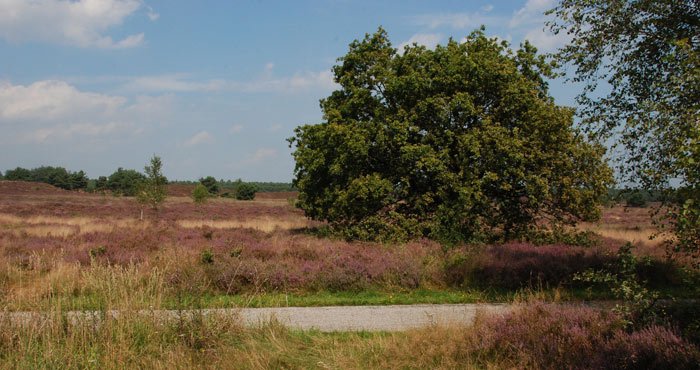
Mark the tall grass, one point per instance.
(537, 336)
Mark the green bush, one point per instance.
(637, 200)
(207, 257)
(210, 184)
(246, 191)
(200, 194)
(125, 182)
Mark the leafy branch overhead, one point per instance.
(452, 143)
(640, 64)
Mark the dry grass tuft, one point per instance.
(267, 224)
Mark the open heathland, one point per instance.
(229, 252)
(63, 251)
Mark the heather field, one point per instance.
(63, 251)
(229, 252)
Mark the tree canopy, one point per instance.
(639, 61)
(450, 143)
(124, 182)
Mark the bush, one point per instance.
(125, 182)
(560, 337)
(637, 200)
(200, 194)
(210, 184)
(518, 265)
(206, 257)
(246, 191)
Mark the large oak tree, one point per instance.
(454, 144)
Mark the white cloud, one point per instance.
(172, 83)
(546, 41)
(81, 23)
(152, 15)
(256, 158)
(531, 12)
(181, 82)
(52, 100)
(261, 155)
(456, 20)
(236, 128)
(274, 128)
(429, 40)
(201, 137)
(55, 110)
(65, 132)
(487, 8)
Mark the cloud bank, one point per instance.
(82, 23)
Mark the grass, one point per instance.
(534, 336)
(64, 251)
(267, 224)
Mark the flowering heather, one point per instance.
(259, 246)
(563, 337)
(516, 265)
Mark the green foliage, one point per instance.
(230, 185)
(19, 174)
(647, 55)
(56, 176)
(206, 257)
(246, 191)
(636, 199)
(638, 305)
(452, 144)
(562, 236)
(210, 184)
(101, 184)
(200, 194)
(125, 182)
(152, 190)
(100, 250)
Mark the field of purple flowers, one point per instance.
(231, 247)
(59, 248)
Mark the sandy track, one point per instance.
(337, 318)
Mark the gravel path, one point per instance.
(353, 318)
(336, 318)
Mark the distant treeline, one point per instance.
(56, 176)
(122, 181)
(640, 198)
(225, 185)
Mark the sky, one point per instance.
(212, 87)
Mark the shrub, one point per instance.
(125, 182)
(518, 265)
(210, 184)
(560, 337)
(206, 257)
(246, 191)
(200, 194)
(636, 199)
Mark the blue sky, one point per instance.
(213, 87)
